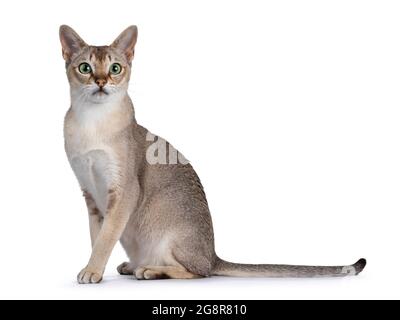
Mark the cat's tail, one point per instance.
(224, 268)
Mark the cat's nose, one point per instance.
(101, 82)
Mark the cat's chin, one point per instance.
(100, 94)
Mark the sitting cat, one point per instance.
(157, 209)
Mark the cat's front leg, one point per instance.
(113, 225)
(95, 218)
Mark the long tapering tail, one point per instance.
(224, 268)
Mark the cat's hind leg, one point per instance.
(164, 272)
(125, 269)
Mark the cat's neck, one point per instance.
(116, 113)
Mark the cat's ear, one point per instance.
(71, 42)
(126, 42)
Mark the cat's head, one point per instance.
(98, 74)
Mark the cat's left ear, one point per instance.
(126, 42)
(71, 42)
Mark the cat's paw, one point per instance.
(125, 269)
(149, 273)
(140, 274)
(87, 276)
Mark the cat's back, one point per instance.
(167, 173)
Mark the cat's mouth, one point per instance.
(100, 92)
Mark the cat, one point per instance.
(156, 209)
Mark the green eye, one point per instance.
(85, 68)
(115, 68)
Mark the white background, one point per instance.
(289, 111)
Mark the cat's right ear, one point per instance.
(71, 42)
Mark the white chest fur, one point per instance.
(93, 159)
(96, 171)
